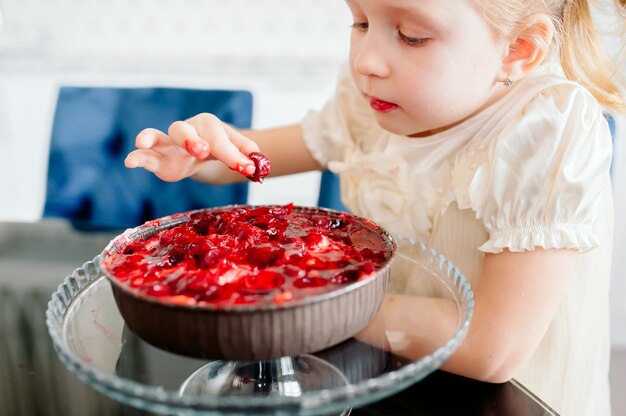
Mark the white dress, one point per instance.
(530, 170)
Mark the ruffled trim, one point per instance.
(565, 236)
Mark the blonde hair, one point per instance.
(581, 52)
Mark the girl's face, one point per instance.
(424, 65)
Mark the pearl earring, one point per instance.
(508, 81)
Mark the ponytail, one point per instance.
(584, 58)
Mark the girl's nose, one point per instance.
(370, 58)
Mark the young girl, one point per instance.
(476, 126)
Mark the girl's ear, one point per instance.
(528, 49)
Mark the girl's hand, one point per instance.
(188, 145)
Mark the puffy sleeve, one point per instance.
(545, 174)
(329, 132)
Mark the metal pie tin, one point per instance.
(250, 332)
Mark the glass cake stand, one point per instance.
(92, 341)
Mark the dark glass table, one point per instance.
(34, 259)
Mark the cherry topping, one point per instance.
(264, 280)
(247, 255)
(262, 166)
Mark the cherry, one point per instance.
(264, 280)
(265, 255)
(345, 276)
(262, 166)
(158, 290)
(310, 282)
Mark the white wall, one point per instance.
(614, 41)
(618, 283)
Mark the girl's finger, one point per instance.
(244, 144)
(149, 138)
(185, 135)
(143, 158)
(213, 130)
(161, 165)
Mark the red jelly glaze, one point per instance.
(250, 255)
(262, 166)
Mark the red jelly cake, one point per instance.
(249, 255)
(249, 283)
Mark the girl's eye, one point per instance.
(411, 41)
(360, 25)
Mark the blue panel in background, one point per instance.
(330, 194)
(611, 122)
(93, 131)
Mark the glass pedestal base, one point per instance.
(92, 340)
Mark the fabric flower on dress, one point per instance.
(379, 186)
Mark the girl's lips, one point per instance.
(382, 106)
